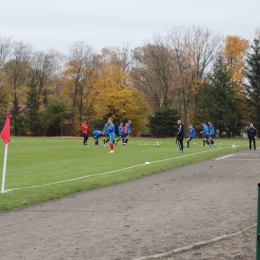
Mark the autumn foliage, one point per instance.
(169, 72)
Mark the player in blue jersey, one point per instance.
(106, 134)
(205, 132)
(120, 133)
(111, 133)
(211, 133)
(191, 134)
(96, 134)
(127, 132)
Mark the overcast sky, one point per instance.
(99, 23)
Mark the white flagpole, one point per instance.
(4, 169)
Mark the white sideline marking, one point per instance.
(202, 243)
(105, 173)
(224, 157)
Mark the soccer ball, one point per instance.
(157, 144)
(194, 144)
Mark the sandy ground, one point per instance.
(144, 217)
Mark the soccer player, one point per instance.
(205, 132)
(120, 133)
(192, 134)
(84, 132)
(211, 133)
(180, 136)
(96, 134)
(127, 132)
(106, 134)
(111, 133)
(251, 133)
(124, 129)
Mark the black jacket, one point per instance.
(251, 132)
(180, 132)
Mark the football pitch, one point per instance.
(39, 169)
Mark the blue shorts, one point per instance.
(206, 136)
(121, 135)
(191, 138)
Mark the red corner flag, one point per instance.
(5, 134)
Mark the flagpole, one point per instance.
(4, 168)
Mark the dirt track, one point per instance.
(144, 217)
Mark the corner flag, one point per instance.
(5, 134)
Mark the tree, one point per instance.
(15, 75)
(234, 55)
(43, 70)
(193, 51)
(54, 116)
(79, 88)
(152, 73)
(5, 51)
(3, 103)
(116, 56)
(33, 119)
(218, 102)
(257, 33)
(118, 101)
(234, 58)
(163, 123)
(252, 73)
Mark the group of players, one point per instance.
(208, 133)
(109, 134)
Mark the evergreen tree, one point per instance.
(34, 123)
(53, 116)
(163, 123)
(252, 74)
(218, 102)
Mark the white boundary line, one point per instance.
(105, 173)
(192, 246)
(224, 157)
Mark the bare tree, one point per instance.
(257, 33)
(41, 69)
(5, 50)
(16, 72)
(57, 77)
(45, 67)
(193, 51)
(151, 73)
(117, 56)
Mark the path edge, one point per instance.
(195, 245)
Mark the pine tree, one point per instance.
(33, 118)
(252, 74)
(218, 102)
(163, 123)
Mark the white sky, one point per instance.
(99, 23)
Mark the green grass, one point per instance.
(39, 161)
